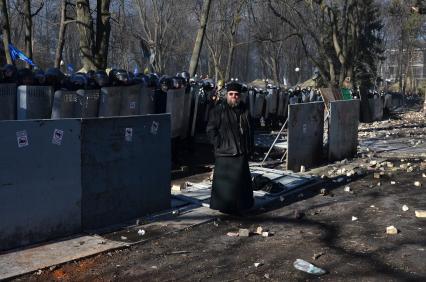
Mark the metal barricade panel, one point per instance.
(34, 102)
(110, 101)
(8, 101)
(305, 135)
(88, 103)
(40, 188)
(64, 104)
(343, 129)
(125, 168)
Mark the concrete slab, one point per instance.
(399, 147)
(23, 261)
(343, 129)
(305, 135)
(20, 262)
(40, 189)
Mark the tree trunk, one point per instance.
(103, 30)
(229, 61)
(28, 30)
(61, 37)
(407, 67)
(85, 29)
(275, 75)
(200, 37)
(5, 26)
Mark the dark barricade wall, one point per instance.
(305, 135)
(59, 177)
(343, 129)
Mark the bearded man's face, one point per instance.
(233, 98)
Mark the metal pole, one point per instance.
(285, 154)
(275, 141)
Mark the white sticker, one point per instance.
(57, 137)
(132, 105)
(22, 138)
(128, 134)
(305, 128)
(154, 127)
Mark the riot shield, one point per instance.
(88, 103)
(186, 113)
(252, 99)
(7, 101)
(130, 101)
(34, 102)
(271, 102)
(64, 104)
(110, 101)
(282, 104)
(175, 106)
(258, 105)
(147, 101)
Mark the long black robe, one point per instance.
(229, 131)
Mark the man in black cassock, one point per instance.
(230, 133)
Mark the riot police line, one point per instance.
(38, 94)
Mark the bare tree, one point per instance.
(93, 52)
(103, 29)
(62, 29)
(28, 16)
(5, 26)
(200, 38)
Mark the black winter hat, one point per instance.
(234, 86)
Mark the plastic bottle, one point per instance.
(307, 267)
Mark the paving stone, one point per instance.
(391, 230)
(243, 232)
(420, 213)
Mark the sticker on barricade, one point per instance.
(57, 137)
(154, 127)
(22, 138)
(128, 135)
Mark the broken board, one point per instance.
(289, 181)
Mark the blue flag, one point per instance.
(70, 68)
(15, 53)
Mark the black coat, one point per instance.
(229, 130)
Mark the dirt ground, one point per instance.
(317, 227)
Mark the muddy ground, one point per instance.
(312, 226)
